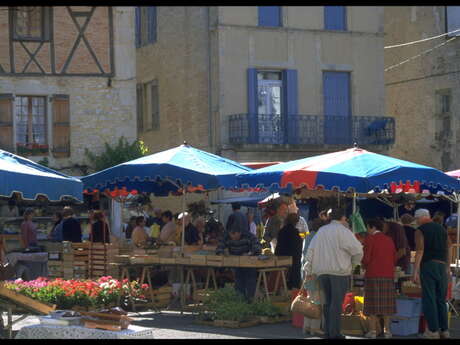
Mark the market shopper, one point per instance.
(71, 228)
(330, 257)
(237, 219)
(275, 223)
(432, 269)
(28, 230)
(100, 232)
(130, 227)
(379, 289)
(237, 242)
(289, 243)
(407, 220)
(168, 232)
(139, 237)
(313, 326)
(56, 233)
(398, 235)
(252, 224)
(191, 233)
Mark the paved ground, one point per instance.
(172, 325)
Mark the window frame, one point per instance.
(446, 13)
(30, 118)
(143, 36)
(46, 18)
(280, 18)
(345, 21)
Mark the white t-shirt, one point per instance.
(253, 228)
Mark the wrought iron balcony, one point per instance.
(311, 130)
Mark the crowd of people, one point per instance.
(324, 254)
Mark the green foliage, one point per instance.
(120, 153)
(45, 162)
(228, 304)
(266, 309)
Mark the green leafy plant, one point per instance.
(122, 152)
(266, 309)
(45, 162)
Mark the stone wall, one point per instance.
(178, 61)
(423, 135)
(101, 109)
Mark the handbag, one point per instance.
(304, 305)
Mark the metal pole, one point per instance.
(183, 222)
(182, 288)
(458, 232)
(354, 211)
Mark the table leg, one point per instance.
(10, 323)
(182, 290)
(277, 282)
(258, 285)
(214, 280)
(264, 278)
(283, 278)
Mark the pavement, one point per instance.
(173, 325)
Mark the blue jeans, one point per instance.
(333, 289)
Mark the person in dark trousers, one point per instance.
(289, 243)
(237, 220)
(407, 220)
(242, 243)
(71, 228)
(432, 267)
(331, 256)
(100, 229)
(56, 234)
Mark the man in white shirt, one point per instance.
(331, 256)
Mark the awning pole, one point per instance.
(458, 232)
(354, 211)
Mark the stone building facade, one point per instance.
(262, 83)
(67, 82)
(422, 83)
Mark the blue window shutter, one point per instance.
(337, 108)
(291, 105)
(138, 27)
(335, 18)
(152, 21)
(253, 131)
(269, 15)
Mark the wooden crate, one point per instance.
(144, 259)
(254, 261)
(282, 261)
(231, 261)
(25, 301)
(167, 261)
(412, 290)
(198, 260)
(123, 259)
(183, 260)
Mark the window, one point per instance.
(31, 124)
(31, 23)
(453, 20)
(270, 16)
(146, 25)
(335, 18)
(148, 114)
(444, 101)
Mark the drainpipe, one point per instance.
(210, 112)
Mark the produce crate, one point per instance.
(282, 261)
(404, 327)
(411, 290)
(254, 261)
(183, 260)
(352, 324)
(198, 260)
(214, 260)
(408, 307)
(146, 259)
(167, 261)
(231, 261)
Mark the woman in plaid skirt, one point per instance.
(379, 289)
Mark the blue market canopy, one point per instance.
(168, 172)
(247, 201)
(23, 176)
(353, 170)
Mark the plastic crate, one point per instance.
(408, 307)
(404, 327)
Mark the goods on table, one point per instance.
(24, 301)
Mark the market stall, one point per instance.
(357, 173)
(177, 171)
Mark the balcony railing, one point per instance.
(311, 130)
